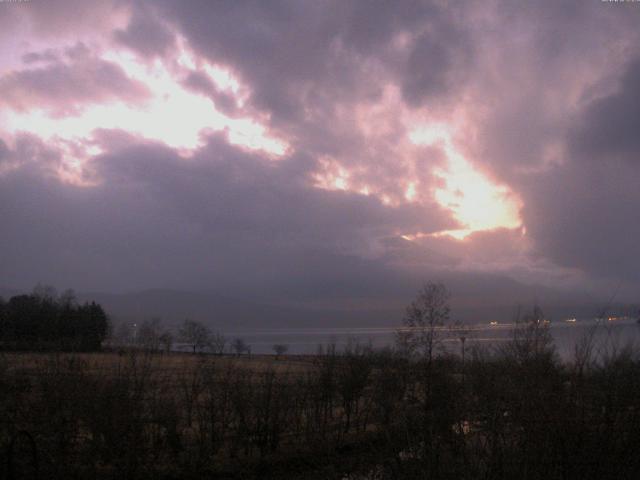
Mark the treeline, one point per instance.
(45, 321)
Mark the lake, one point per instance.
(607, 334)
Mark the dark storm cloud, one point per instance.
(65, 86)
(201, 83)
(295, 54)
(222, 219)
(274, 45)
(437, 64)
(587, 218)
(585, 213)
(286, 51)
(534, 63)
(145, 34)
(610, 126)
(224, 190)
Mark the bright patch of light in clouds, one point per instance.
(172, 115)
(221, 76)
(476, 202)
(332, 176)
(410, 192)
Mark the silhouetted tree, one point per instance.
(3, 320)
(425, 316)
(45, 292)
(166, 340)
(148, 335)
(218, 342)
(239, 346)
(531, 338)
(124, 333)
(95, 325)
(353, 377)
(195, 334)
(280, 349)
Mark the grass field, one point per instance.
(105, 362)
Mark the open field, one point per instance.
(111, 362)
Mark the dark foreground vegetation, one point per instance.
(508, 412)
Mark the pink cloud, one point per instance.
(64, 86)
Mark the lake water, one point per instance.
(608, 334)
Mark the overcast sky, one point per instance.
(320, 151)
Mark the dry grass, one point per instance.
(105, 362)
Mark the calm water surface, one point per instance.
(608, 334)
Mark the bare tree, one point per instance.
(166, 340)
(239, 346)
(123, 334)
(194, 334)
(422, 325)
(149, 333)
(45, 292)
(218, 342)
(531, 337)
(280, 349)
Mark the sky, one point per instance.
(320, 152)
